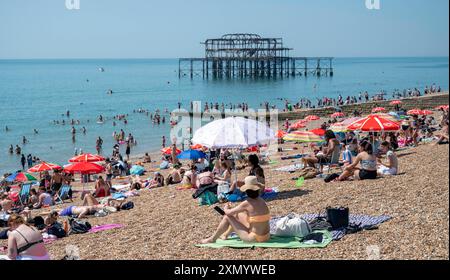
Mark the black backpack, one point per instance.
(57, 230)
(77, 226)
(338, 217)
(127, 206)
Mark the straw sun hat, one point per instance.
(251, 183)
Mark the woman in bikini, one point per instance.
(367, 161)
(24, 242)
(250, 219)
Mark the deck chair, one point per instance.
(334, 162)
(24, 193)
(63, 194)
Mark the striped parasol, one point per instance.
(414, 112)
(302, 137)
(374, 123)
(312, 118)
(378, 109)
(396, 102)
(337, 115)
(44, 166)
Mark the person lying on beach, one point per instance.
(367, 161)
(89, 200)
(390, 167)
(78, 211)
(136, 183)
(443, 135)
(255, 170)
(157, 181)
(24, 241)
(249, 220)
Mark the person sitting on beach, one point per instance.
(190, 178)
(225, 176)
(157, 181)
(44, 199)
(102, 189)
(347, 157)
(147, 158)
(249, 220)
(328, 153)
(391, 166)
(24, 242)
(6, 204)
(174, 176)
(34, 198)
(255, 170)
(368, 162)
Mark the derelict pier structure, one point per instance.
(250, 55)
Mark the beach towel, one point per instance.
(292, 157)
(290, 168)
(362, 220)
(274, 242)
(269, 193)
(105, 227)
(137, 170)
(120, 187)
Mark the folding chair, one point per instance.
(63, 194)
(334, 162)
(24, 193)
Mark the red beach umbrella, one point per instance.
(426, 112)
(337, 115)
(197, 147)
(84, 168)
(396, 102)
(44, 166)
(318, 131)
(378, 109)
(312, 118)
(445, 107)
(298, 125)
(87, 158)
(374, 123)
(414, 112)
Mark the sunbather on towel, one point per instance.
(90, 200)
(78, 211)
(250, 219)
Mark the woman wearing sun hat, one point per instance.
(249, 220)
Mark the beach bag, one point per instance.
(207, 198)
(127, 206)
(222, 190)
(292, 226)
(205, 178)
(79, 227)
(338, 217)
(57, 230)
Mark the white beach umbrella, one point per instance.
(233, 132)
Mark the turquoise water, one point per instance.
(36, 92)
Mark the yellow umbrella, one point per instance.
(302, 137)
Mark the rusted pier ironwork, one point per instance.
(250, 55)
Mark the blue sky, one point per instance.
(174, 28)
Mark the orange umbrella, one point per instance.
(44, 166)
(87, 158)
(374, 123)
(197, 147)
(414, 112)
(396, 102)
(312, 118)
(168, 151)
(280, 134)
(378, 109)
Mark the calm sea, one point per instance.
(36, 92)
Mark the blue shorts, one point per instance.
(67, 211)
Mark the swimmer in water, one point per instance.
(6, 128)
(35, 131)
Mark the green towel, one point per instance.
(273, 162)
(274, 242)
